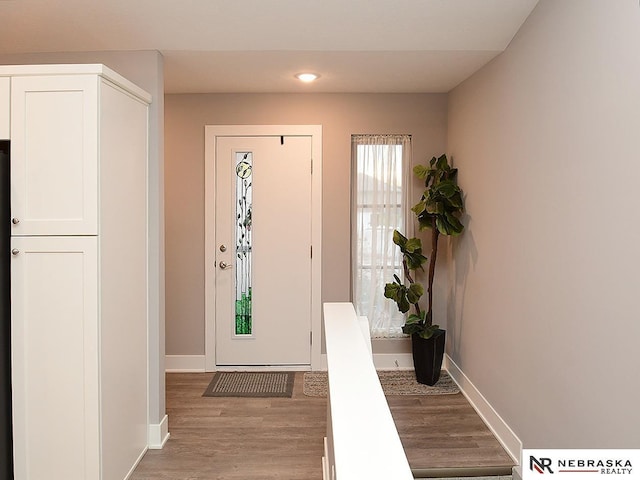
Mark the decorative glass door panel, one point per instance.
(244, 168)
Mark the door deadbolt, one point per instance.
(223, 248)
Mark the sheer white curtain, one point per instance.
(380, 190)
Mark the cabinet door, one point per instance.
(54, 152)
(4, 107)
(54, 324)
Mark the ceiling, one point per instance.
(258, 45)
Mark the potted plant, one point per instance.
(439, 209)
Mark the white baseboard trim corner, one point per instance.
(159, 434)
(509, 440)
(184, 363)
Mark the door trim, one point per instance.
(211, 134)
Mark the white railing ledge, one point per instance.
(362, 439)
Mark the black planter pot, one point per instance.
(427, 357)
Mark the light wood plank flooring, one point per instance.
(282, 438)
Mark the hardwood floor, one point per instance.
(237, 438)
(282, 438)
(442, 435)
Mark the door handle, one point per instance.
(225, 266)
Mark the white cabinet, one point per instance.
(4, 107)
(55, 357)
(54, 151)
(79, 271)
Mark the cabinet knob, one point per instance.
(15, 221)
(15, 251)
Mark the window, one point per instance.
(380, 165)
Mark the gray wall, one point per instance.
(544, 312)
(144, 68)
(423, 116)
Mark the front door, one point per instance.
(263, 275)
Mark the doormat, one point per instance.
(394, 382)
(251, 384)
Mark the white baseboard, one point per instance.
(196, 364)
(509, 440)
(184, 363)
(135, 464)
(382, 361)
(263, 368)
(159, 434)
(393, 361)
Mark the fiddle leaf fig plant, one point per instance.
(439, 209)
(409, 294)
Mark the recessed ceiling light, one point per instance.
(307, 77)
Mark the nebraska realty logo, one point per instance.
(579, 464)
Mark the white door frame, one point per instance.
(211, 134)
